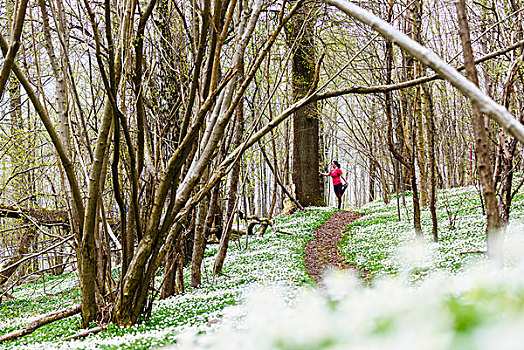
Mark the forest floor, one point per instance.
(274, 261)
(397, 291)
(322, 252)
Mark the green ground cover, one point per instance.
(272, 260)
(372, 243)
(423, 295)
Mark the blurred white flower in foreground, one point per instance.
(481, 308)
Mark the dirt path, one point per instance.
(322, 251)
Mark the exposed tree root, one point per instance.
(42, 321)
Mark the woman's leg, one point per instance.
(338, 193)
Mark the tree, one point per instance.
(485, 169)
(306, 152)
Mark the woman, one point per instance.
(336, 175)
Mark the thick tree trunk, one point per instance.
(300, 35)
(485, 170)
(88, 254)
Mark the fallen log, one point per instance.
(42, 321)
(8, 270)
(84, 333)
(284, 232)
(42, 217)
(45, 217)
(26, 239)
(34, 218)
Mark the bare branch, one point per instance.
(410, 83)
(485, 104)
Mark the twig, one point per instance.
(473, 252)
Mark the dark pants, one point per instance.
(338, 193)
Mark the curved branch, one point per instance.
(410, 83)
(485, 104)
(15, 45)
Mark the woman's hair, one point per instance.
(336, 163)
